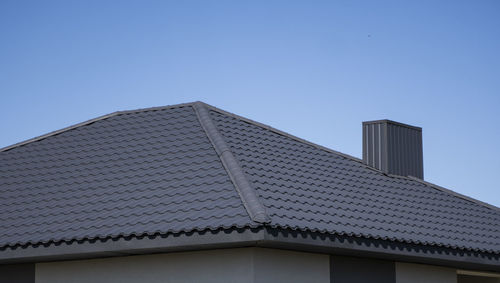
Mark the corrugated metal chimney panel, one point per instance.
(393, 147)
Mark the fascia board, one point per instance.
(132, 246)
(381, 249)
(266, 238)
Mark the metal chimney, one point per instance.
(393, 147)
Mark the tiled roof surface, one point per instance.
(157, 171)
(134, 173)
(308, 188)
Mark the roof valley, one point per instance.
(248, 195)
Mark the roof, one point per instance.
(193, 167)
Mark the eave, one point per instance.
(256, 237)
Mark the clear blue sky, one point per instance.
(315, 69)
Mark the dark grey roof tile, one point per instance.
(308, 188)
(157, 171)
(135, 173)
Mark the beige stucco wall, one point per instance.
(420, 273)
(285, 266)
(229, 265)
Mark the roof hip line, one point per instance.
(248, 195)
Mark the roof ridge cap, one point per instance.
(74, 126)
(280, 132)
(248, 195)
(53, 133)
(456, 194)
(437, 187)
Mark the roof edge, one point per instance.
(267, 127)
(189, 104)
(379, 248)
(248, 195)
(68, 128)
(53, 133)
(253, 237)
(459, 195)
(133, 245)
(116, 113)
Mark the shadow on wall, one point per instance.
(476, 279)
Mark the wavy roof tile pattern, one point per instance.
(308, 188)
(130, 174)
(170, 169)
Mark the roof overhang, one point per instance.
(260, 237)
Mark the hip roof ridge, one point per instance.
(248, 195)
